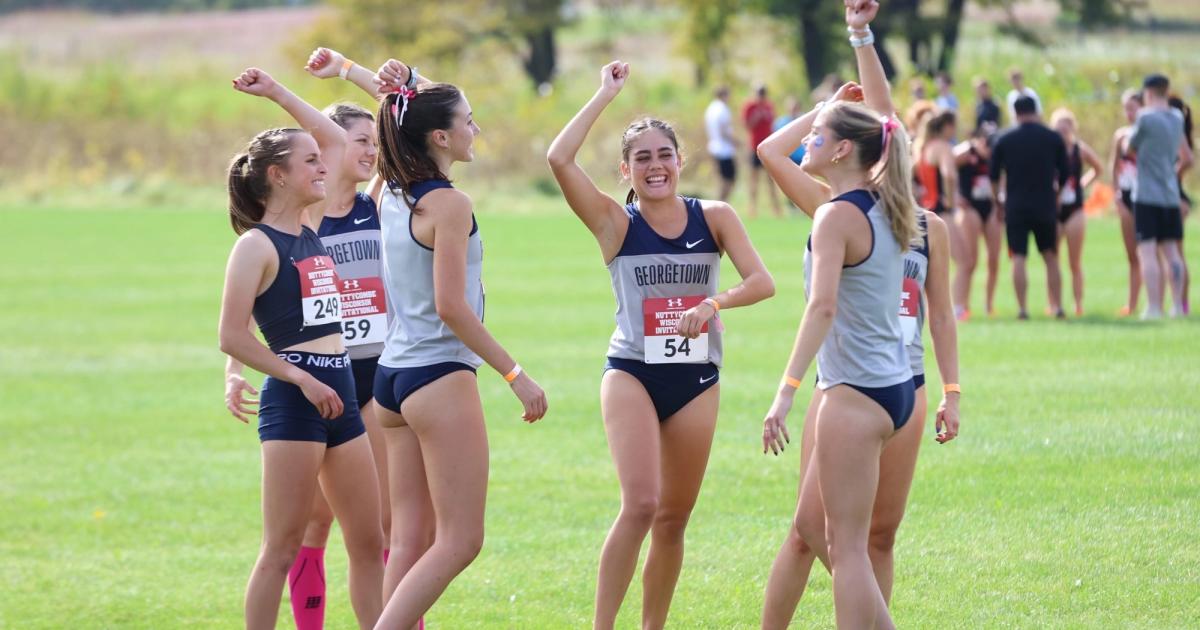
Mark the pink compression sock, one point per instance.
(306, 583)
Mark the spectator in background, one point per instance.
(945, 98)
(718, 124)
(916, 88)
(758, 114)
(986, 109)
(793, 112)
(1033, 159)
(1017, 79)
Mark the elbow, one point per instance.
(450, 312)
(226, 342)
(822, 310)
(768, 286)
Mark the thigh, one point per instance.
(1017, 231)
(809, 508)
(288, 484)
(447, 419)
(1145, 222)
(632, 427)
(412, 509)
(851, 429)
(897, 464)
(686, 441)
(1045, 234)
(352, 486)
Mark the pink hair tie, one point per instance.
(405, 95)
(890, 125)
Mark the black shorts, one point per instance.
(1127, 198)
(1065, 212)
(364, 379)
(727, 168)
(897, 400)
(1018, 225)
(394, 385)
(285, 414)
(1156, 223)
(984, 208)
(671, 386)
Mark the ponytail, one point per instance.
(248, 186)
(404, 126)
(882, 149)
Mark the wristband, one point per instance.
(345, 71)
(864, 30)
(713, 303)
(862, 42)
(412, 78)
(792, 382)
(513, 373)
(951, 388)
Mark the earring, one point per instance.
(837, 158)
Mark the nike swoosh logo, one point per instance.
(705, 380)
(361, 221)
(691, 245)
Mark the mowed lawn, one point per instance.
(129, 497)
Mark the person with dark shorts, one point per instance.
(974, 219)
(718, 124)
(1124, 171)
(1157, 136)
(1033, 160)
(758, 116)
(1071, 221)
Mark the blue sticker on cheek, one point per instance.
(818, 141)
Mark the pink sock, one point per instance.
(306, 583)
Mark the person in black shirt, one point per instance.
(986, 109)
(1033, 160)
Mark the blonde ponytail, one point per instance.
(890, 172)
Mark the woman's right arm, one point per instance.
(775, 153)
(236, 387)
(327, 63)
(248, 262)
(451, 233)
(877, 93)
(602, 215)
(393, 74)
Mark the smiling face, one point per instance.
(303, 174)
(362, 150)
(652, 164)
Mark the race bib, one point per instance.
(910, 304)
(1068, 196)
(1126, 176)
(364, 311)
(981, 188)
(662, 345)
(319, 291)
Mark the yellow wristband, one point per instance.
(951, 387)
(792, 382)
(714, 303)
(514, 373)
(345, 71)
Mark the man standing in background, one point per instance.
(1033, 159)
(1017, 79)
(718, 124)
(1156, 138)
(945, 98)
(986, 109)
(758, 115)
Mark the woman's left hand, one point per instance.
(947, 420)
(694, 319)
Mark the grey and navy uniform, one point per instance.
(865, 347)
(656, 279)
(420, 348)
(913, 304)
(353, 242)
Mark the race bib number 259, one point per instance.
(319, 291)
(662, 343)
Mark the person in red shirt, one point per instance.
(759, 116)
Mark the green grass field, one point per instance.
(130, 497)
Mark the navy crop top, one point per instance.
(302, 302)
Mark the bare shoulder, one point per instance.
(450, 207)
(253, 243)
(936, 229)
(718, 210)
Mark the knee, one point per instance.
(843, 546)
(882, 538)
(463, 546)
(797, 543)
(639, 511)
(670, 524)
(808, 535)
(278, 553)
(318, 527)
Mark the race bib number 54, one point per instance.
(319, 291)
(662, 344)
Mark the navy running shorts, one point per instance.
(394, 385)
(671, 386)
(285, 414)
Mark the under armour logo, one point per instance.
(674, 302)
(349, 285)
(313, 602)
(318, 262)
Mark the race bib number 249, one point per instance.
(319, 291)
